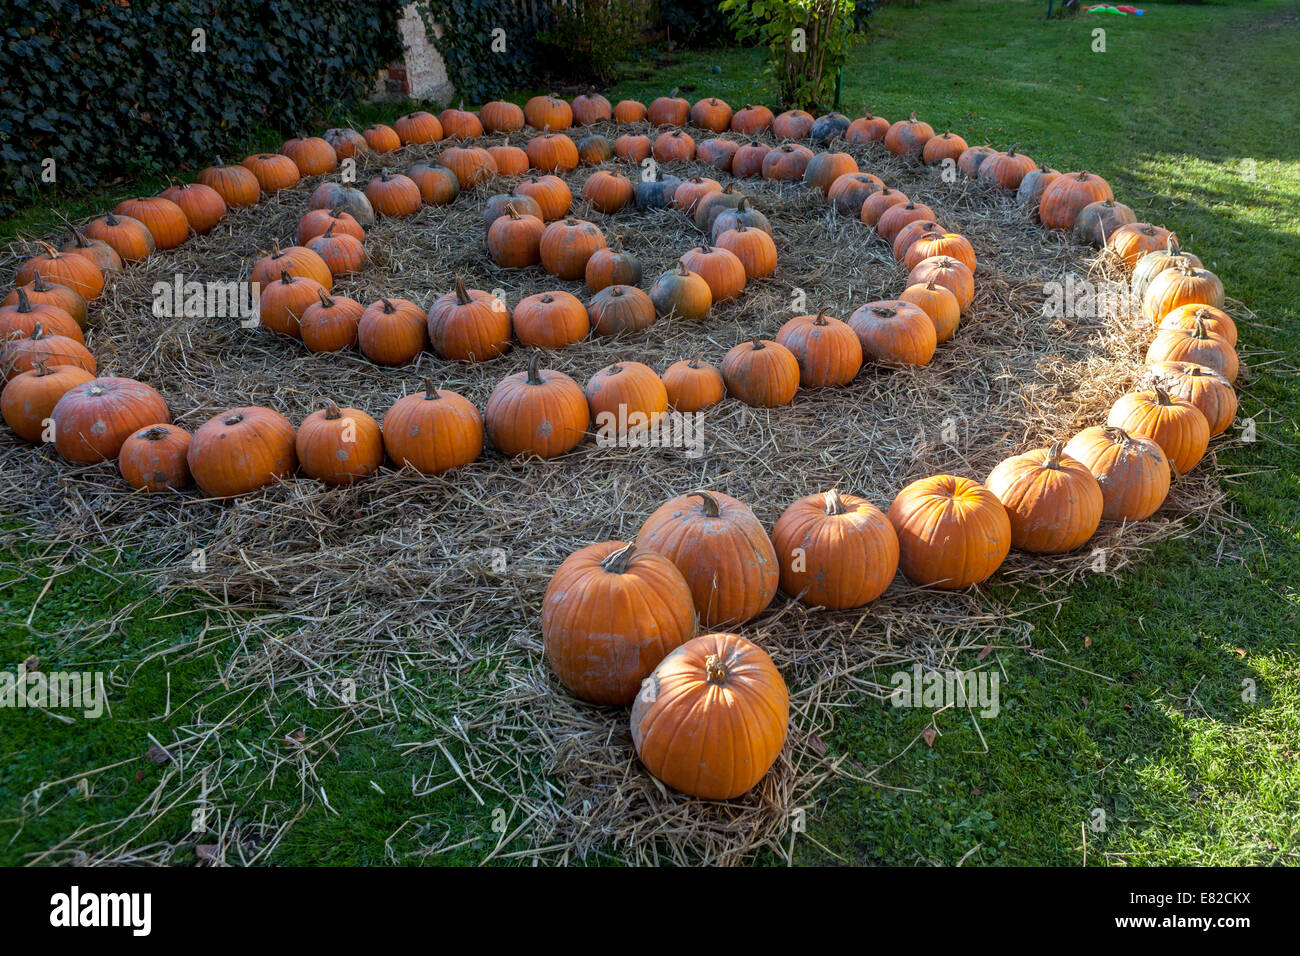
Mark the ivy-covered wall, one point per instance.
(96, 89)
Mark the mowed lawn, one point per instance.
(1168, 700)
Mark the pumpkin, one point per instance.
(909, 234)
(502, 116)
(608, 267)
(392, 331)
(938, 303)
(1066, 196)
(202, 205)
(610, 614)
(753, 247)
(712, 114)
(418, 128)
(339, 446)
(628, 395)
(242, 450)
(836, 551)
(319, 221)
(311, 154)
(850, 191)
(828, 351)
(792, 124)
(433, 431)
(550, 192)
(76, 272)
(1098, 220)
(947, 146)
(1131, 469)
(344, 199)
(567, 245)
(1203, 387)
(954, 276)
(93, 419)
(471, 164)
(594, 150)
(330, 325)
(1134, 240)
(460, 123)
(670, 110)
(711, 719)
(552, 152)
(868, 129)
(20, 355)
(273, 172)
(655, 193)
(40, 291)
(829, 127)
(629, 111)
(96, 250)
(1180, 428)
(235, 184)
(284, 301)
(749, 159)
(688, 194)
(1197, 345)
(154, 459)
(20, 319)
(721, 549)
(393, 194)
(342, 254)
(1053, 501)
(908, 137)
(1007, 170)
(548, 113)
(381, 138)
(1215, 320)
(469, 326)
(761, 373)
(893, 332)
(713, 203)
(720, 268)
(743, 214)
(952, 532)
(824, 168)
(877, 203)
(551, 320)
(30, 397)
(676, 146)
(681, 293)
(972, 158)
(948, 245)
(591, 107)
(607, 192)
(749, 120)
(514, 241)
(787, 163)
(894, 219)
(1180, 286)
(510, 160)
(298, 261)
(633, 147)
(346, 143)
(497, 206)
(717, 153)
(620, 308)
(1156, 262)
(693, 385)
(539, 412)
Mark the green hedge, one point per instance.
(110, 88)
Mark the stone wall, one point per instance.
(419, 73)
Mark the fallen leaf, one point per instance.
(817, 745)
(157, 754)
(1087, 642)
(984, 652)
(207, 852)
(928, 736)
(32, 664)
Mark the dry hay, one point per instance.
(395, 578)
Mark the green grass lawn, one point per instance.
(1136, 700)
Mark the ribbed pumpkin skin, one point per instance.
(242, 450)
(949, 273)
(609, 617)
(720, 268)
(836, 551)
(761, 373)
(952, 532)
(202, 205)
(689, 193)
(693, 385)
(945, 245)
(973, 158)
(499, 205)
(299, 261)
(551, 320)
(284, 302)
(339, 446)
(20, 320)
(1134, 240)
(681, 293)
(608, 267)
(711, 113)
(418, 128)
(749, 159)
(552, 152)
(1053, 501)
(1175, 424)
(1181, 286)
(393, 194)
(381, 138)
(753, 247)
(342, 254)
(42, 292)
(346, 142)
(824, 168)
(631, 387)
(92, 420)
(591, 107)
(717, 153)
(567, 245)
(273, 172)
(1065, 197)
(392, 331)
(469, 325)
(330, 325)
(548, 112)
(669, 110)
(945, 146)
(896, 218)
(471, 164)
(607, 192)
(153, 459)
(514, 241)
(875, 205)
(828, 351)
(539, 412)
(76, 272)
(165, 220)
(317, 222)
(938, 303)
(1132, 471)
(620, 308)
(741, 215)
(893, 332)
(1197, 345)
(1203, 387)
(721, 549)
(311, 154)
(908, 137)
(29, 397)
(749, 120)
(100, 252)
(460, 124)
(633, 147)
(868, 129)
(676, 146)
(1035, 181)
(1154, 263)
(792, 124)
(433, 431)
(510, 160)
(629, 111)
(550, 192)
(787, 163)
(20, 355)
(1006, 170)
(849, 192)
(235, 184)
(713, 740)
(502, 116)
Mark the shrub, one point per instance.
(588, 39)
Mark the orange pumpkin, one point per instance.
(311, 154)
(954, 276)
(693, 385)
(471, 164)
(607, 192)
(538, 412)
(676, 146)
(381, 138)
(1203, 387)
(1006, 170)
(626, 398)
(567, 245)
(548, 113)
(273, 171)
(681, 293)
(1131, 469)
(154, 459)
(689, 193)
(828, 351)
(235, 184)
(836, 551)
(76, 272)
(96, 250)
(317, 221)
(753, 247)
(460, 123)
(501, 116)
(20, 319)
(620, 308)
(761, 373)
(938, 303)
(438, 185)
(1134, 240)
(1198, 345)
(552, 153)
(418, 128)
(787, 163)
(20, 355)
(629, 111)
(1182, 285)
(469, 326)
(202, 205)
(551, 320)
(750, 120)
(330, 324)
(393, 194)
(30, 397)
(285, 300)
(893, 332)
(897, 217)
(608, 267)
(1180, 428)
(1053, 501)
(720, 268)
(550, 192)
(298, 261)
(868, 128)
(952, 532)
(1066, 196)
(510, 160)
(339, 446)
(514, 241)
(42, 292)
(433, 431)
(342, 254)
(633, 147)
(591, 107)
(92, 420)
(946, 146)
(825, 168)
(849, 192)
(792, 124)
(670, 110)
(242, 450)
(908, 137)
(392, 331)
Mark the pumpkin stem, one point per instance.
(111, 220)
(388, 306)
(77, 237)
(332, 410)
(462, 295)
(534, 360)
(681, 268)
(430, 390)
(1012, 150)
(511, 211)
(695, 362)
(709, 503)
(1116, 435)
(834, 503)
(234, 419)
(1053, 459)
(40, 285)
(41, 368)
(1202, 332)
(24, 304)
(329, 232)
(1083, 175)
(757, 343)
(821, 318)
(38, 331)
(616, 562)
(715, 671)
(285, 277)
(325, 300)
(50, 251)
(1162, 397)
(930, 286)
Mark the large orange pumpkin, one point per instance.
(1205, 388)
(20, 355)
(591, 107)
(1180, 428)
(284, 301)
(908, 137)
(165, 220)
(1196, 344)
(76, 272)
(339, 445)
(1053, 501)
(235, 184)
(1134, 240)
(761, 373)
(894, 332)
(627, 397)
(469, 325)
(154, 459)
(548, 113)
(92, 420)
(952, 532)
(1183, 285)
(693, 385)
(566, 246)
(551, 320)
(202, 205)
(392, 331)
(620, 308)
(1066, 196)
(836, 551)
(242, 450)
(828, 351)
(670, 110)
(433, 431)
(938, 303)
(1132, 471)
(29, 397)
(538, 412)
(720, 268)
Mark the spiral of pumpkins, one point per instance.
(709, 713)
